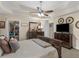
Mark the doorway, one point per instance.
(51, 30)
(14, 29)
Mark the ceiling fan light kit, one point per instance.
(40, 14)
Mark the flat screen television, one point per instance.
(62, 28)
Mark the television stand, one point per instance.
(65, 37)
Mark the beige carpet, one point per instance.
(70, 53)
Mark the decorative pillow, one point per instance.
(5, 46)
(2, 37)
(41, 43)
(14, 44)
(6, 39)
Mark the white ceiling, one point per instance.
(23, 7)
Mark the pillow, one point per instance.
(5, 46)
(41, 43)
(2, 37)
(14, 44)
(6, 39)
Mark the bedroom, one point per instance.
(21, 13)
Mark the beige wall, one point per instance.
(2, 31)
(23, 24)
(73, 29)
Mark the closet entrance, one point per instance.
(14, 29)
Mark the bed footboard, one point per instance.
(54, 42)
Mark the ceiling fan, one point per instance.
(41, 12)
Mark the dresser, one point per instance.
(34, 34)
(65, 37)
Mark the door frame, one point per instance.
(9, 27)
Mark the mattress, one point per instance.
(29, 49)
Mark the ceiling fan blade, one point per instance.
(39, 10)
(33, 12)
(49, 11)
(45, 14)
(30, 11)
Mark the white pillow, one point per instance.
(2, 37)
(41, 43)
(14, 44)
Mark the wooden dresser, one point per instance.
(65, 37)
(33, 34)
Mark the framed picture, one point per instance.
(69, 20)
(60, 20)
(33, 26)
(2, 24)
(77, 24)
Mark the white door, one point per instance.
(51, 30)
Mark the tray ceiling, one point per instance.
(24, 7)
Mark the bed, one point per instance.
(29, 49)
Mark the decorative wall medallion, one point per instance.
(61, 20)
(77, 24)
(69, 20)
